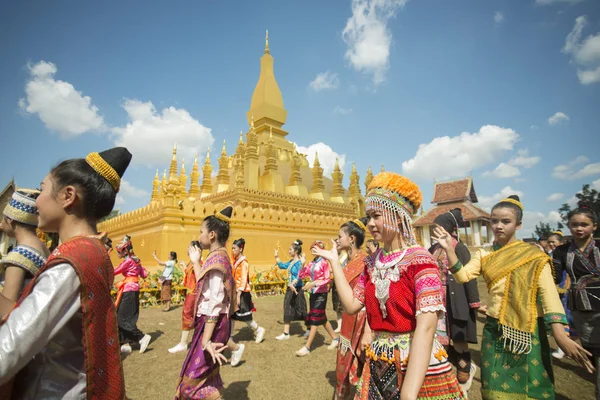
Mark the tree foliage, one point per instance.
(113, 213)
(542, 230)
(590, 196)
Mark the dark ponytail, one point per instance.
(297, 245)
(584, 208)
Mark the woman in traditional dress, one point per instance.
(61, 339)
(355, 331)
(166, 278)
(317, 277)
(187, 311)
(580, 258)
(294, 303)
(128, 298)
(200, 378)
(402, 292)
(462, 302)
(20, 220)
(522, 298)
(244, 305)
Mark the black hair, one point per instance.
(173, 255)
(297, 245)
(108, 243)
(560, 238)
(241, 243)
(352, 229)
(10, 248)
(374, 242)
(584, 209)
(220, 227)
(507, 204)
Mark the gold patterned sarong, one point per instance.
(521, 264)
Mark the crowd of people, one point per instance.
(405, 315)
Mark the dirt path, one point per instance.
(271, 370)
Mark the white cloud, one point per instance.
(487, 202)
(325, 80)
(534, 127)
(450, 157)
(596, 184)
(573, 171)
(546, 2)
(533, 218)
(119, 200)
(498, 17)
(556, 196)
(150, 135)
(60, 107)
(127, 189)
(327, 156)
(558, 117)
(585, 53)
(523, 159)
(342, 111)
(503, 170)
(368, 36)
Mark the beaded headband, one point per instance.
(22, 209)
(222, 217)
(559, 233)
(105, 170)
(359, 223)
(512, 201)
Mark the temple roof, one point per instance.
(454, 191)
(469, 211)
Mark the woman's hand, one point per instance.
(154, 254)
(309, 285)
(330, 255)
(194, 254)
(482, 309)
(442, 237)
(575, 351)
(293, 288)
(215, 350)
(276, 253)
(365, 340)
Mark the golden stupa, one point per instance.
(277, 197)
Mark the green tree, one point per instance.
(113, 213)
(542, 230)
(588, 195)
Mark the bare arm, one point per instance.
(6, 305)
(420, 354)
(351, 304)
(162, 264)
(13, 283)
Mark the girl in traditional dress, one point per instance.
(372, 246)
(61, 340)
(19, 221)
(244, 305)
(355, 331)
(187, 313)
(580, 258)
(166, 278)
(128, 298)
(402, 292)
(317, 276)
(462, 302)
(515, 359)
(294, 303)
(200, 378)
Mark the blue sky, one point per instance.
(506, 90)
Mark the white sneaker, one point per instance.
(236, 356)
(283, 336)
(558, 354)
(144, 343)
(303, 352)
(126, 349)
(334, 344)
(260, 334)
(178, 348)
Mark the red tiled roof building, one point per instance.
(447, 196)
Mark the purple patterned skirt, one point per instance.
(200, 377)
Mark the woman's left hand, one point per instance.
(574, 350)
(330, 255)
(215, 350)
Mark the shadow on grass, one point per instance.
(237, 391)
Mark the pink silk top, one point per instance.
(317, 271)
(129, 267)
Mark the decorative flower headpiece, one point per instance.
(512, 201)
(21, 208)
(319, 244)
(125, 244)
(395, 196)
(105, 170)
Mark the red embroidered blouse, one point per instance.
(417, 289)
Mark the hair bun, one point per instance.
(364, 220)
(227, 211)
(298, 242)
(514, 197)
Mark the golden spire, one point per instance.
(317, 172)
(173, 167)
(223, 175)
(368, 178)
(206, 187)
(155, 185)
(271, 164)
(354, 188)
(295, 177)
(338, 188)
(182, 180)
(251, 143)
(382, 168)
(239, 172)
(194, 189)
(163, 185)
(267, 43)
